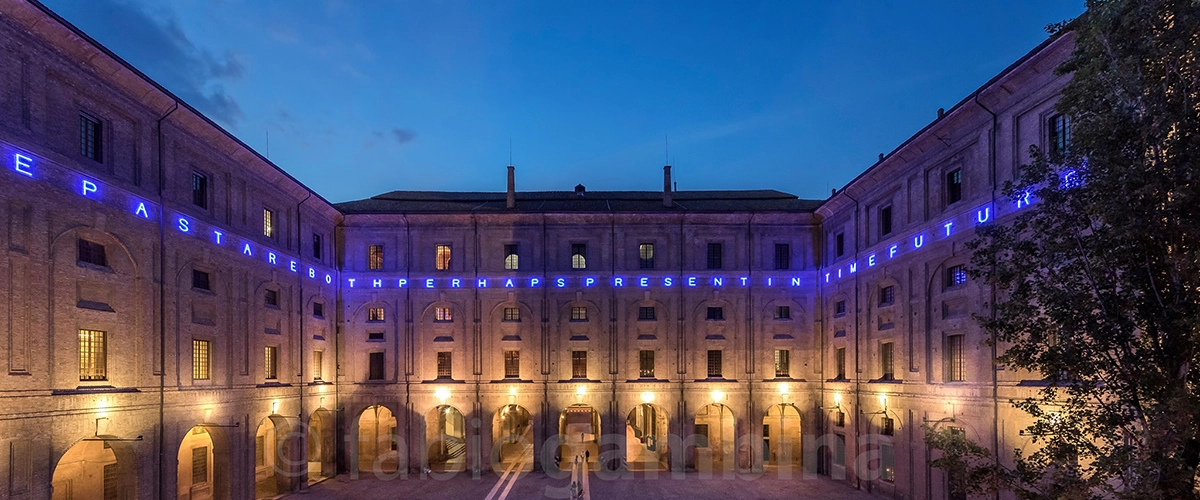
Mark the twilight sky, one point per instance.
(363, 97)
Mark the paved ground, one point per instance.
(540, 485)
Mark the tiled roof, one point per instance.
(764, 200)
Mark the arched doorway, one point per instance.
(646, 438)
(446, 439)
(203, 466)
(377, 445)
(273, 461)
(321, 451)
(781, 436)
(96, 469)
(512, 439)
(579, 435)
(715, 438)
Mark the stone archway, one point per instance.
(203, 464)
(377, 441)
(646, 431)
(781, 436)
(445, 439)
(579, 435)
(321, 452)
(715, 439)
(274, 463)
(96, 469)
(512, 439)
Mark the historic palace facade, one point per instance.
(182, 318)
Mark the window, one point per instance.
(839, 418)
(199, 465)
(92, 253)
(1060, 135)
(318, 245)
(578, 256)
(955, 363)
(512, 314)
(512, 364)
(839, 450)
(271, 298)
(578, 364)
(714, 255)
(839, 244)
(956, 275)
(702, 435)
(200, 360)
(374, 336)
(886, 358)
(887, 426)
(579, 314)
(91, 137)
(445, 366)
(375, 361)
(511, 257)
(954, 186)
(887, 462)
(442, 257)
(716, 314)
(375, 314)
(646, 256)
(646, 364)
(887, 295)
(783, 312)
(375, 257)
(885, 220)
(839, 308)
(200, 190)
(714, 363)
(646, 314)
(268, 223)
(318, 365)
(271, 362)
(443, 314)
(318, 310)
(200, 280)
(783, 366)
(783, 256)
(839, 360)
(93, 355)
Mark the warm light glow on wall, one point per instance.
(208, 414)
(275, 407)
(647, 397)
(783, 389)
(837, 399)
(442, 394)
(512, 394)
(883, 401)
(718, 396)
(102, 408)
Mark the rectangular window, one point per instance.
(511, 257)
(783, 256)
(886, 358)
(271, 298)
(839, 308)
(839, 450)
(268, 223)
(839, 418)
(578, 256)
(113, 486)
(442, 262)
(646, 256)
(375, 314)
(702, 435)
(715, 259)
(271, 362)
(783, 312)
(318, 365)
(375, 366)
(374, 336)
(579, 314)
(375, 257)
(954, 192)
(839, 360)
(443, 314)
(887, 295)
(839, 244)
(714, 363)
(885, 220)
(93, 355)
(200, 280)
(445, 365)
(512, 314)
(92, 253)
(199, 465)
(318, 246)
(260, 452)
(91, 138)
(783, 365)
(715, 314)
(579, 364)
(512, 364)
(955, 362)
(887, 463)
(887, 426)
(646, 364)
(318, 310)
(200, 190)
(1060, 135)
(646, 314)
(956, 275)
(200, 360)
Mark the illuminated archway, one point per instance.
(96, 469)
(715, 438)
(321, 451)
(781, 436)
(512, 439)
(646, 434)
(377, 443)
(273, 460)
(203, 466)
(445, 439)
(579, 434)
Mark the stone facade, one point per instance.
(184, 319)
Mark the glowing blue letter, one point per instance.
(351, 280)
(401, 283)
(270, 257)
(853, 267)
(892, 250)
(509, 283)
(141, 210)
(948, 226)
(534, 282)
(429, 283)
(1023, 199)
(328, 279)
(592, 281)
(312, 273)
(667, 281)
(795, 281)
(246, 250)
(377, 283)
(770, 281)
(184, 225)
(561, 282)
(743, 278)
(22, 163)
(871, 261)
(218, 234)
(292, 266)
(87, 187)
(643, 282)
(918, 241)
(718, 281)
(481, 283)
(457, 283)
(983, 215)
(691, 281)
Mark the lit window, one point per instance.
(443, 258)
(783, 256)
(93, 355)
(375, 365)
(375, 314)
(885, 220)
(887, 295)
(646, 256)
(1060, 135)
(268, 223)
(199, 190)
(199, 466)
(716, 314)
(92, 253)
(955, 361)
(887, 462)
(443, 314)
(839, 361)
(579, 314)
(783, 312)
(512, 364)
(714, 364)
(715, 259)
(512, 314)
(200, 360)
(954, 192)
(511, 257)
(886, 358)
(318, 365)
(578, 256)
(839, 308)
(646, 314)
(579, 364)
(783, 366)
(956, 275)
(646, 364)
(91, 138)
(445, 367)
(375, 257)
(271, 298)
(271, 362)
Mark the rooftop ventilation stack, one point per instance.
(667, 186)
(512, 188)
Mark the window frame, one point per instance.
(91, 137)
(953, 275)
(783, 256)
(444, 363)
(443, 255)
(271, 362)
(715, 254)
(372, 317)
(318, 246)
(886, 220)
(200, 196)
(375, 257)
(201, 359)
(443, 314)
(578, 256)
(271, 298)
(646, 363)
(783, 313)
(839, 363)
(644, 261)
(579, 364)
(270, 223)
(377, 365)
(955, 358)
(512, 364)
(512, 256)
(318, 365)
(954, 186)
(651, 316)
(93, 355)
(715, 363)
(512, 315)
(579, 313)
(91, 253)
(887, 295)
(715, 313)
(887, 360)
(783, 360)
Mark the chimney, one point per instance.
(667, 186)
(579, 190)
(512, 188)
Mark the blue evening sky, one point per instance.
(363, 97)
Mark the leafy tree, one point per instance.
(1099, 280)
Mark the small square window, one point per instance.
(511, 257)
(716, 314)
(445, 365)
(714, 364)
(839, 308)
(91, 137)
(375, 257)
(646, 256)
(375, 314)
(887, 295)
(92, 253)
(956, 275)
(578, 256)
(443, 258)
(783, 256)
(318, 310)
(271, 298)
(579, 314)
(443, 314)
(646, 313)
(200, 280)
(512, 314)
(783, 312)
(954, 192)
(715, 255)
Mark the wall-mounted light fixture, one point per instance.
(442, 393)
(647, 397)
(512, 394)
(717, 397)
(783, 392)
(579, 392)
(837, 402)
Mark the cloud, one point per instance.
(403, 135)
(154, 43)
